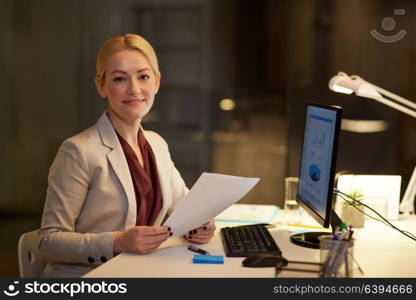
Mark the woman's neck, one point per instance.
(128, 129)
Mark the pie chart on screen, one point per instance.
(315, 172)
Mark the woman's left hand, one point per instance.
(203, 234)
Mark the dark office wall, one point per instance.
(6, 92)
(41, 94)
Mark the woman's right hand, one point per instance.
(140, 239)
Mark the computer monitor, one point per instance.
(317, 169)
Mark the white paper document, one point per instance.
(210, 195)
(249, 213)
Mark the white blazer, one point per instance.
(90, 196)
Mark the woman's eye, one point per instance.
(144, 77)
(118, 79)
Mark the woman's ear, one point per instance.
(157, 82)
(99, 87)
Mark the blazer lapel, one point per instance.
(119, 164)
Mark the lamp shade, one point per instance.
(342, 83)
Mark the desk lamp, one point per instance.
(342, 83)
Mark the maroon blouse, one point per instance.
(145, 180)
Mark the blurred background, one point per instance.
(236, 76)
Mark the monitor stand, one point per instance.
(311, 239)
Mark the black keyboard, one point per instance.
(243, 241)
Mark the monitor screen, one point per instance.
(317, 169)
(317, 166)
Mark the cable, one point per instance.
(383, 220)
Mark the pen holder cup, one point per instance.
(336, 257)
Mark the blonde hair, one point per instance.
(122, 42)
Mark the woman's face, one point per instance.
(130, 85)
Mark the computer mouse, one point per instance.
(261, 260)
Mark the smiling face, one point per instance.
(130, 85)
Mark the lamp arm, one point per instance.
(396, 106)
(394, 96)
(409, 110)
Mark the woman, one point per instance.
(112, 185)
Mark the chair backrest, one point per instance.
(31, 263)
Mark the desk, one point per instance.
(381, 252)
(384, 252)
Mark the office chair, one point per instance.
(31, 263)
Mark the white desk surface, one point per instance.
(381, 252)
(384, 252)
